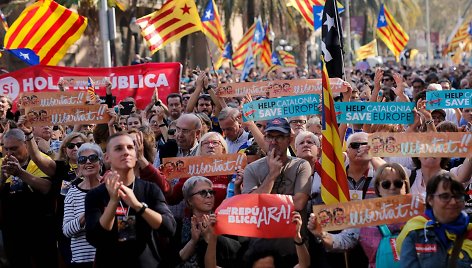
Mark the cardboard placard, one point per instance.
(279, 88)
(460, 98)
(182, 167)
(434, 144)
(51, 98)
(67, 115)
(256, 215)
(374, 112)
(82, 81)
(281, 107)
(369, 212)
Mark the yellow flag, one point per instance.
(367, 50)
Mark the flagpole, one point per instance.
(428, 32)
(211, 61)
(348, 26)
(338, 26)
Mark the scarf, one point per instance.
(457, 227)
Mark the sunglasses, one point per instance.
(356, 145)
(386, 79)
(71, 145)
(397, 183)
(93, 158)
(204, 193)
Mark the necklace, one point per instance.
(121, 204)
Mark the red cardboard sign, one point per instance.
(256, 215)
(181, 167)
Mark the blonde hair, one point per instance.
(62, 150)
(207, 136)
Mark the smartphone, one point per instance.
(127, 107)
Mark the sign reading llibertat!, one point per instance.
(421, 144)
(50, 99)
(279, 88)
(67, 115)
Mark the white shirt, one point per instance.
(233, 146)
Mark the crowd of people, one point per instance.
(97, 196)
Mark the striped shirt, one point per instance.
(74, 207)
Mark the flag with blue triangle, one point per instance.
(248, 64)
(26, 55)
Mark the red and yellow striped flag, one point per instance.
(334, 188)
(212, 27)
(461, 36)
(174, 20)
(288, 59)
(266, 55)
(391, 33)
(48, 29)
(305, 7)
(367, 50)
(91, 91)
(240, 54)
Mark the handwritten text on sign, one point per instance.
(278, 88)
(48, 98)
(256, 215)
(67, 115)
(180, 167)
(374, 112)
(435, 144)
(281, 107)
(461, 98)
(369, 212)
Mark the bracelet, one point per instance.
(27, 134)
(299, 243)
(429, 122)
(29, 137)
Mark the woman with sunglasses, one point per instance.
(441, 237)
(390, 180)
(89, 159)
(199, 197)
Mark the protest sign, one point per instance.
(137, 81)
(461, 98)
(256, 215)
(181, 167)
(374, 112)
(67, 115)
(52, 98)
(434, 144)
(279, 88)
(369, 212)
(281, 107)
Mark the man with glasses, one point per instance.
(229, 119)
(297, 124)
(28, 225)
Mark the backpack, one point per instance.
(387, 254)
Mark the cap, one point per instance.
(278, 124)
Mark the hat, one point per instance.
(278, 124)
(441, 111)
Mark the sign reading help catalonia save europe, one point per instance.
(461, 98)
(281, 107)
(374, 112)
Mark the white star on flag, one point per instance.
(256, 35)
(320, 15)
(329, 22)
(25, 56)
(382, 19)
(208, 14)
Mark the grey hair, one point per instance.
(93, 147)
(193, 118)
(207, 136)
(313, 121)
(15, 133)
(356, 135)
(303, 134)
(189, 184)
(229, 112)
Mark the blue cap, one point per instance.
(278, 124)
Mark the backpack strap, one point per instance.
(384, 230)
(412, 176)
(366, 186)
(456, 249)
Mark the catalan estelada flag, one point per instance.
(334, 188)
(305, 7)
(91, 91)
(367, 50)
(175, 19)
(288, 59)
(391, 33)
(241, 51)
(226, 56)
(4, 20)
(266, 50)
(461, 36)
(48, 29)
(212, 27)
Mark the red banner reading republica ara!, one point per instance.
(256, 215)
(137, 81)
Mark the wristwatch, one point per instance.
(142, 209)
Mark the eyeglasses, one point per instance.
(396, 183)
(93, 158)
(185, 98)
(275, 138)
(212, 143)
(357, 145)
(72, 145)
(204, 193)
(298, 122)
(386, 79)
(183, 130)
(446, 197)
